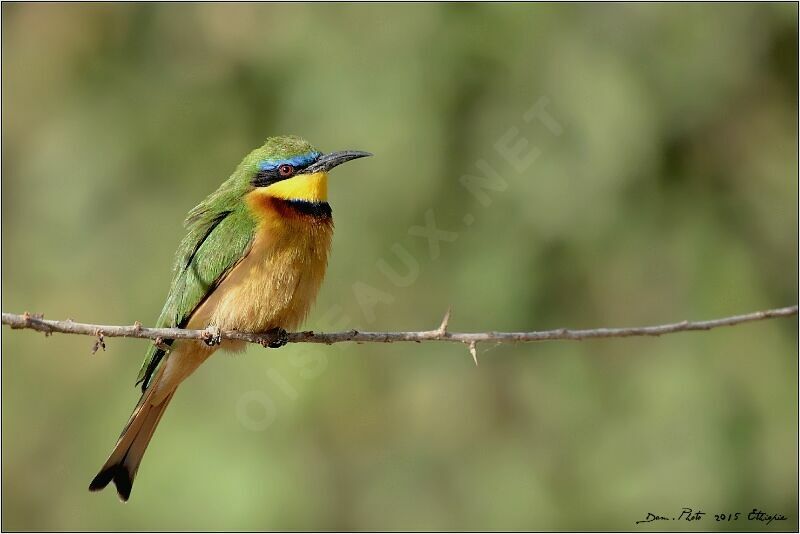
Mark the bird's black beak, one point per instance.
(328, 161)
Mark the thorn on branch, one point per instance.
(442, 330)
(99, 343)
(137, 326)
(474, 351)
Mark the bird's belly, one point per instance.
(273, 286)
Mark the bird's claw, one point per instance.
(275, 338)
(212, 336)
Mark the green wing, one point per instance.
(219, 233)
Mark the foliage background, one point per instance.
(670, 194)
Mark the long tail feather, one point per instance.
(124, 460)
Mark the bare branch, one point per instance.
(158, 335)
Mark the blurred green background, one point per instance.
(664, 188)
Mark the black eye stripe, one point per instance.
(267, 177)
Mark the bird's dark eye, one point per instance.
(285, 170)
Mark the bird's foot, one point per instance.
(212, 336)
(275, 338)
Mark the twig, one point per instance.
(37, 322)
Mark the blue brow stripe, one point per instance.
(302, 160)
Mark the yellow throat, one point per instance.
(308, 187)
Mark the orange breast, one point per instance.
(276, 283)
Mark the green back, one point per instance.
(219, 233)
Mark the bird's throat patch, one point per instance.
(306, 187)
(303, 196)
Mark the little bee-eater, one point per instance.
(252, 260)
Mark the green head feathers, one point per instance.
(279, 165)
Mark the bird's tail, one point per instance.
(124, 460)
